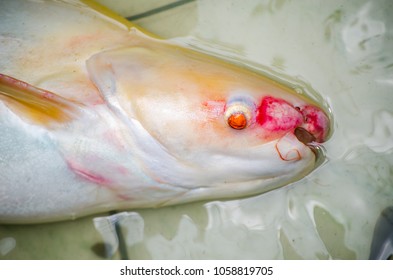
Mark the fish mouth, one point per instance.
(308, 139)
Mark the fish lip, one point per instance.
(309, 140)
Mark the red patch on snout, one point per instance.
(277, 115)
(316, 122)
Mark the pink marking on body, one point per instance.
(277, 115)
(101, 180)
(95, 178)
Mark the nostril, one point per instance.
(304, 136)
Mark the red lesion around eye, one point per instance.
(277, 115)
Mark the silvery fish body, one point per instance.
(95, 115)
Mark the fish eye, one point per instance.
(237, 120)
(238, 113)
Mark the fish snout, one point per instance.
(315, 126)
(309, 123)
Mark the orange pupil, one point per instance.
(237, 120)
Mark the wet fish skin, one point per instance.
(125, 120)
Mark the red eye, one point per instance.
(237, 120)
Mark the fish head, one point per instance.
(202, 122)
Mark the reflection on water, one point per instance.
(343, 50)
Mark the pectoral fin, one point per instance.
(36, 105)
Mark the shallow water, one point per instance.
(342, 50)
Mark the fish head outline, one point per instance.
(223, 122)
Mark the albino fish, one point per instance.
(96, 115)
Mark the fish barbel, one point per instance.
(97, 115)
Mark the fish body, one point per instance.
(96, 115)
